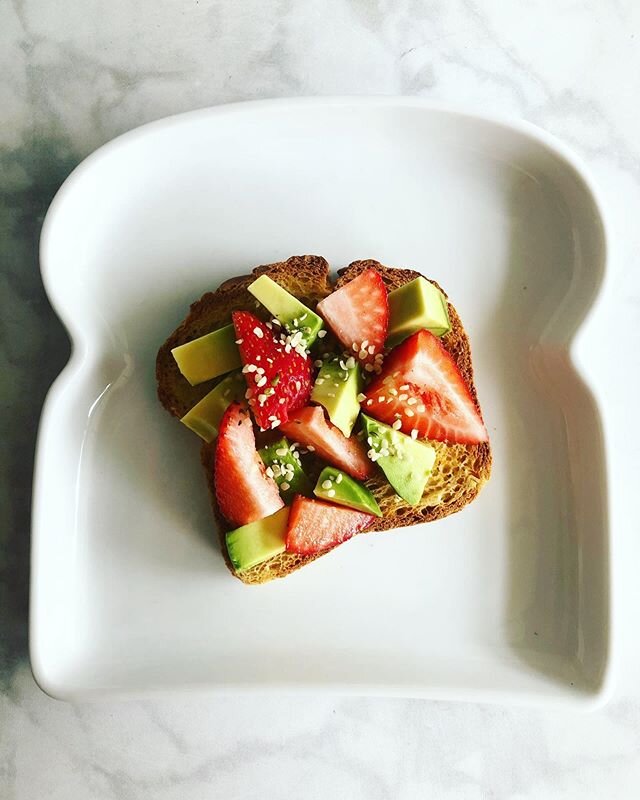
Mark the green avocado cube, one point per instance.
(204, 418)
(283, 465)
(336, 486)
(406, 462)
(336, 388)
(415, 306)
(208, 356)
(287, 309)
(258, 541)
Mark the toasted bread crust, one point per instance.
(460, 471)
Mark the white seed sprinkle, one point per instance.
(339, 478)
(285, 486)
(411, 401)
(275, 423)
(248, 394)
(371, 349)
(276, 322)
(397, 425)
(368, 367)
(369, 402)
(317, 363)
(362, 355)
(262, 381)
(336, 385)
(320, 381)
(282, 400)
(239, 341)
(326, 484)
(331, 394)
(355, 346)
(311, 448)
(381, 398)
(364, 344)
(404, 387)
(361, 397)
(421, 408)
(258, 332)
(331, 493)
(322, 334)
(409, 412)
(414, 433)
(282, 451)
(298, 385)
(394, 392)
(403, 397)
(258, 358)
(269, 472)
(342, 364)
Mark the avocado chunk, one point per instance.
(209, 356)
(416, 305)
(337, 487)
(336, 388)
(283, 465)
(204, 418)
(256, 542)
(287, 309)
(406, 462)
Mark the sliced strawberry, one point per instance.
(315, 526)
(358, 314)
(245, 493)
(309, 427)
(422, 387)
(277, 370)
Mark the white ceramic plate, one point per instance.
(508, 599)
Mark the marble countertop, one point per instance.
(72, 76)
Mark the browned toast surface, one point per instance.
(459, 471)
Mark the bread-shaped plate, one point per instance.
(508, 600)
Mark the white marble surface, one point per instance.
(75, 74)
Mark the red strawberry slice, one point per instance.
(309, 427)
(277, 370)
(358, 314)
(245, 493)
(421, 386)
(315, 526)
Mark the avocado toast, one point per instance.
(350, 411)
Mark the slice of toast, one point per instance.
(459, 471)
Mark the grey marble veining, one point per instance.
(75, 74)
